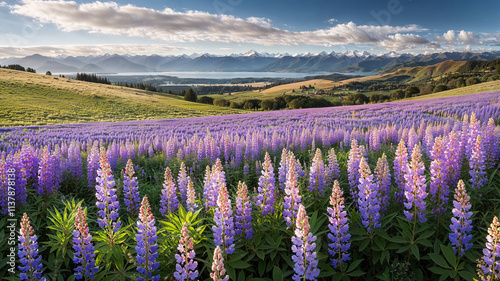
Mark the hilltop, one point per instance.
(36, 99)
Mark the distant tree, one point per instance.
(375, 97)
(397, 95)
(427, 89)
(220, 102)
(440, 88)
(452, 84)
(207, 100)
(190, 95)
(251, 104)
(472, 81)
(411, 91)
(358, 98)
(497, 70)
(268, 104)
(48, 72)
(234, 104)
(29, 69)
(16, 67)
(460, 82)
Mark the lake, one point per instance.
(231, 75)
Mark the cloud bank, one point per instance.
(195, 26)
(85, 50)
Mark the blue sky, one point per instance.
(236, 26)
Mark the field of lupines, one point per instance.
(394, 191)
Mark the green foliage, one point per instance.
(220, 102)
(190, 95)
(440, 88)
(205, 99)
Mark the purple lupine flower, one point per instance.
(185, 268)
(453, 156)
(75, 161)
(473, 132)
(265, 197)
(31, 262)
(84, 255)
(339, 228)
(182, 182)
(400, 170)
(292, 199)
(208, 192)
(107, 201)
(169, 201)
(477, 165)
(353, 169)
(490, 144)
(93, 164)
(332, 170)
(490, 263)
(243, 217)
(146, 248)
(461, 224)
(191, 197)
(14, 164)
(30, 162)
(368, 199)
(317, 181)
(213, 179)
(218, 270)
(224, 222)
(439, 189)
(130, 189)
(48, 173)
(4, 187)
(306, 263)
(383, 182)
(283, 168)
(415, 188)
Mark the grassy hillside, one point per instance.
(474, 89)
(35, 99)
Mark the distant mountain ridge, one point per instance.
(252, 61)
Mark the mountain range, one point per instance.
(251, 61)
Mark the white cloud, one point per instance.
(3, 4)
(449, 36)
(332, 21)
(399, 42)
(195, 26)
(468, 37)
(85, 50)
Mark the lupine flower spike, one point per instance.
(339, 228)
(415, 188)
(191, 197)
(84, 255)
(368, 199)
(265, 197)
(306, 263)
(130, 189)
(490, 263)
(317, 180)
(107, 201)
(461, 224)
(186, 265)
(224, 223)
(31, 262)
(218, 270)
(169, 201)
(146, 248)
(243, 224)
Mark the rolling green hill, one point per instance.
(486, 87)
(35, 99)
